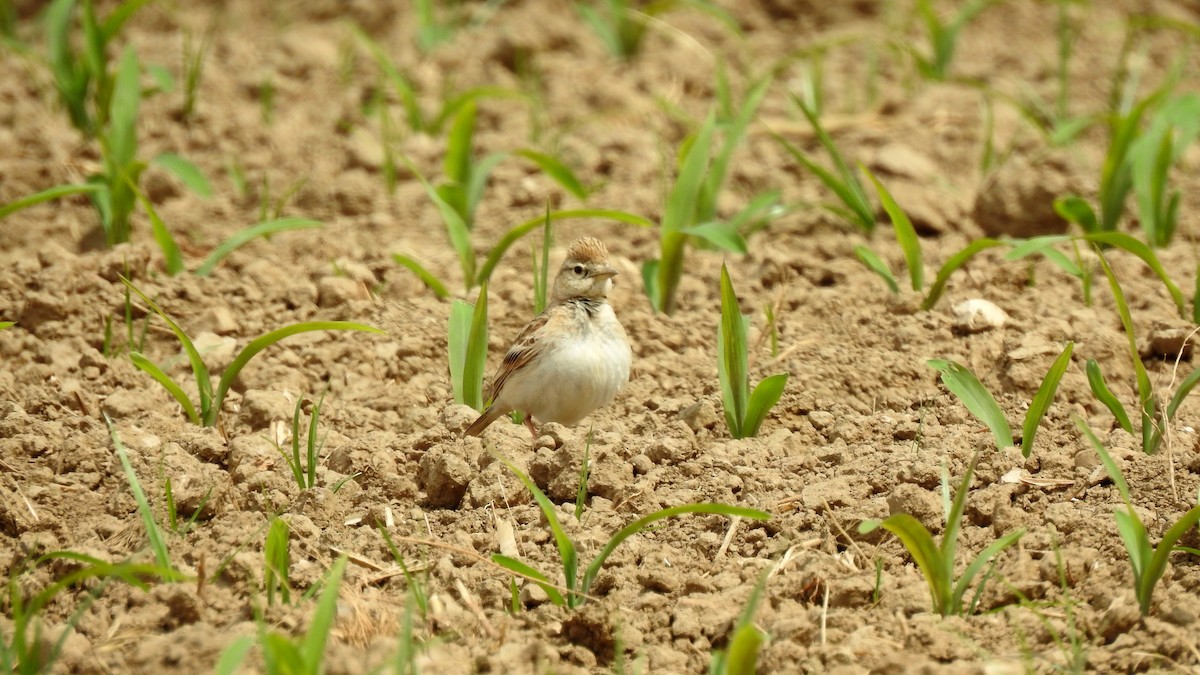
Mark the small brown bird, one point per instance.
(573, 357)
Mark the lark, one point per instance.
(572, 358)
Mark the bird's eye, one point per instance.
(578, 269)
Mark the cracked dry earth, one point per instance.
(864, 428)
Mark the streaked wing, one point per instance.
(523, 350)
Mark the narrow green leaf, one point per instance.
(1137, 248)
(456, 228)
(233, 656)
(742, 658)
(533, 574)
(199, 370)
(431, 282)
(556, 170)
(1103, 394)
(249, 234)
(186, 171)
(1185, 387)
(1157, 565)
(457, 164)
(906, 234)
(458, 341)
(1025, 248)
(951, 265)
(732, 358)
(720, 234)
(153, 535)
(121, 14)
(480, 172)
(56, 192)
(876, 264)
(172, 256)
(678, 214)
(919, 542)
(476, 357)
(650, 283)
(150, 368)
(981, 560)
(1110, 465)
(762, 399)
(313, 647)
(566, 547)
(262, 342)
(641, 524)
(1146, 402)
(1043, 398)
(122, 132)
(963, 384)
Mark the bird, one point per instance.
(573, 357)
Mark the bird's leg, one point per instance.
(529, 425)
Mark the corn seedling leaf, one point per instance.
(518, 231)
(249, 234)
(122, 133)
(566, 547)
(732, 353)
(313, 647)
(919, 542)
(679, 212)
(533, 575)
(951, 265)
(262, 342)
(150, 368)
(172, 257)
(762, 399)
(963, 384)
(153, 534)
(742, 658)
(723, 235)
(456, 228)
(186, 171)
(1075, 210)
(1157, 564)
(7, 324)
(645, 521)
(1103, 394)
(1147, 404)
(431, 282)
(1130, 245)
(556, 170)
(56, 192)
(906, 234)
(458, 340)
(977, 565)
(233, 656)
(845, 184)
(1042, 399)
(199, 370)
(476, 356)
(876, 264)
(479, 174)
(1185, 387)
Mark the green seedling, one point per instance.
(434, 30)
(943, 36)
(541, 269)
(284, 655)
(24, 652)
(277, 563)
(854, 207)
(621, 25)
(467, 349)
(7, 324)
(210, 400)
(173, 521)
(740, 657)
(906, 235)
(744, 410)
(193, 71)
(937, 561)
(304, 468)
(153, 534)
(1068, 638)
(963, 384)
(1147, 400)
(1153, 154)
(1148, 562)
(418, 589)
(585, 468)
(577, 586)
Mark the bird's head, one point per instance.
(586, 271)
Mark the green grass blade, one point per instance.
(186, 171)
(262, 342)
(981, 560)
(644, 522)
(431, 282)
(153, 535)
(876, 264)
(249, 234)
(116, 19)
(1157, 564)
(456, 166)
(515, 233)
(313, 447)
(963, 384)
(172, 257)
(199, 370)
(456, 228)
(954, 517)
(734, 132)
(732, 354)
(1137, 544)
(1110, 465)
(1137, 248)
(533, 575)
(232, 657)
(742, 658)
(404, 88)
(477, 183)
(951, 265)
(906, 234)
(56, 192)
(847, 185)
(476, 356)
(150, 368)
(1185, 387)
(566, 547)
(313, 647)
(1076, 210)
(679, 212)
(557, 171)
(126, 97)
(919, 542)
(7, 324)
(1043, 398)
(458, 338)
(762, 399)
(541, 268)
(650, 283)
(723, 235)
(1146, 402)
(1103, 394)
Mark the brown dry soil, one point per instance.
(863, 430)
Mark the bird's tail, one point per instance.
(490, 414)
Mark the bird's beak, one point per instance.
(604, 272)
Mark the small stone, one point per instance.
(700, 415)
(917, 502)
(533, 595)
(218, 320)
(123, 404)
(356, 271)
(821, 419)
(260, 407)
(899, 159)
(444, 476)
(1172, 341)
(978, 315)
